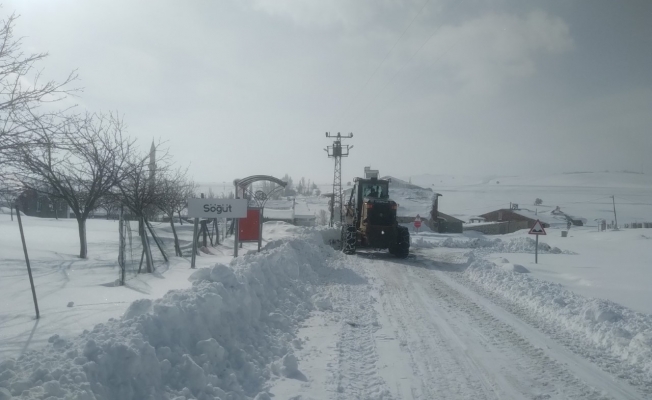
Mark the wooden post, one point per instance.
(260, 229)
(29, 268)
(613, 198)
(194, 243)
(236, 236)
(204, 230)
(121, 254)
(236, 229)
(536, 251)
(151, 231)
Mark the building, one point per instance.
(448, 224)
(370, 173)
(274, 214)
(548, 218)
(35, 204)
(515, 215)
(445, 223)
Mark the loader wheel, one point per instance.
(402, 248)
(349, 239)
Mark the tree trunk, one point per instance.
(83, 248)
(180, 220)
(148, 255)
(177, 248)
(11, 211)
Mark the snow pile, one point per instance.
(456, 243)
(601, 324)
(221, 339)
(514, 245)
(525, 245)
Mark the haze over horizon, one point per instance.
(467, 87)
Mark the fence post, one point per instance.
(195, 238)
(204, 230)
(121, 254)
(29, 268)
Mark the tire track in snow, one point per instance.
(456, 349)
(439, 371)
(356, 375)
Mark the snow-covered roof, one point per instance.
(547, 217)
(305, 216)
(399, 183)
(282, 214)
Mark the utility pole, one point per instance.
(337, 151)
(613, 198)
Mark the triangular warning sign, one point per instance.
(537, 229)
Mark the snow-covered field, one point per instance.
(465, 316)
(585, 195)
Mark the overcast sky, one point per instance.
(247, 87)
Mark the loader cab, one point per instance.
(370, 220)
(376, 190)
(366, 191)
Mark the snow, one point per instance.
(613, 265)
(624, 334)
(465, 316)
(61, 277)
(549, 217)
(215, 339)
(287, 214)
(582, 195)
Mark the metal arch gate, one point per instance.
(243, 190)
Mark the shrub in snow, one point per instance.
(216, 340)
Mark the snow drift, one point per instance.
(221, 339)
(514, 245)
(623, 334)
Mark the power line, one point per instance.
(383, 61)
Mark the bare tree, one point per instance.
(139, 192)
(111, 203)
(10, 189)
(79, 160)
(22, 93)
(189, 192)
(173, 190)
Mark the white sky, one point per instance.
(473, 87)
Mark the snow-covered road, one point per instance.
(415, 332)
(302, 321)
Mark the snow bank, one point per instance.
(514, 245)
(623, 334)
(221, 339)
